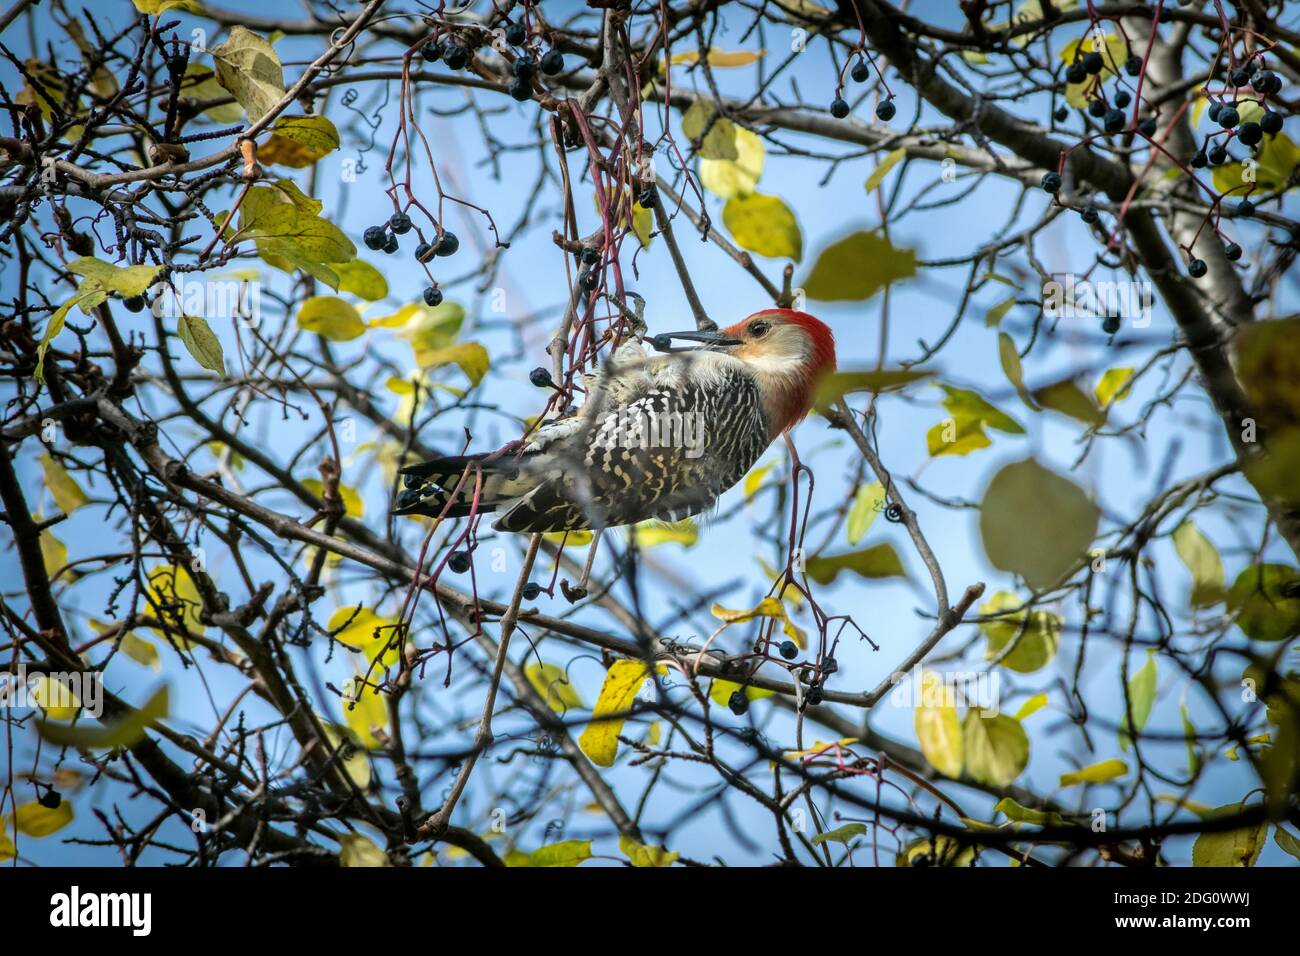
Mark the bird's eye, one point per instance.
(758, 329)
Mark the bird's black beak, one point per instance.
(663, 341)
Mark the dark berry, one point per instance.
(390, 244)
(588, 281)
(1115, 121)
(1252, 67)
(458, 562)
(1240, 76)
(400, 223)
(51, 799)
(1122, 98)
(646, 199)
(1110, 324)
(1148, 127)
(830, 666)
(789, 650)
(431, 51)
(516, 34)
(1062, 114)
(432, 295)
(814, 696)
(1250, 133)
(1271, 122)
(839, 109)
(447, 244)
(1199, 160)
(531, 590)
(1232, 251)
(423, 252)
(1092, 62)
(552, 62)
(541, 378)
(1262, 81)
(1246, 208)
(885, 111)
(738, 702)
(590, 256)
(1076, 73)
(1089, 214)
(1133, 65)
(1228, 117)
(1214, 111)
(1051, 182)
(375, 237)
(1197, 268)
(524, 66)
(133, 303)
(1218, 156)
(455, 56)
(1274, 85)
(860, 72)
(1096, 108)
(521, 89)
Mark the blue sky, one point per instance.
(1183, 439)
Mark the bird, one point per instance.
(658, 437)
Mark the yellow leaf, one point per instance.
(1096, 773)
(651, 534)
(880, 172)
(735, 177)
(937, 728)
(718, 59)
(55, 698)
(642, 855)
(362, 280)
(553, 686)
(720, 691)
(1113, 386)
(1036, 634)
(331, 318)
(356, 849)
(364, 708)
(956, 437)
(1202, 560)
(768, 607)
(878, 561)
(37, 821)
(622, 683)
(567, 853)
(857, 267)
(868, 501)
(1032, 706)
(54, 554)
(365, 631)
(754, 480)
(174, 599)
(569, 539)
(1114, 51)
(141, 651)
(119, 733)
(764, 224)
(472, 358)
(353, 503)
(63, 487)
(356, 764)
(1274, 167)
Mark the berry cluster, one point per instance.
(384, 237)
(885, 109)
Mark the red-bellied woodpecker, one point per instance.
(657, 437)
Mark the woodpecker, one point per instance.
(658, 436)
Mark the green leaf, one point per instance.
(1069, 399)
(63, 487)
(567, 853)
(331, 318)
(880, 561)
(361, 279)
(1275, 166)
(857, 267)
(963, 405)
(1113, 386)
(956, 437)
(1035, 523)
(317, 133)
(937, 728)
(1018, 813)
(1141, 695)
(1011, 367)
(119, 733)
(1265, 599)
(247, 66)
(1202, 560)
(999, 312)
(844, 834)
(868, 502)
(1036, 634)
(764, 224)
(1096, 773)
(553, 686)
(52, 328)
(201, 343)
(996, 748)
(1189, 736)
(642, 855)
(126, 282)
(1288, 843)
(1230, 848)
(880, 172)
